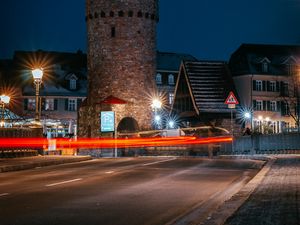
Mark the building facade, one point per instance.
(64, 87)
(121, 63)
(267, 80)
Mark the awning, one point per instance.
(113, 100)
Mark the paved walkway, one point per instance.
(276, 201)
(14, 164)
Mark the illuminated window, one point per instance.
(31, 104)
(272, 86)
(258, 85)
(171, 98)
(49, 104)
(273, 106)
(259, 105)
(72, 105)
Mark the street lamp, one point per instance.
(4, 99)
(156, 105)
(37, 76)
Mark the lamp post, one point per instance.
(37, 76)
(4, 99)
(156, 105)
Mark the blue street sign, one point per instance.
(107, 121)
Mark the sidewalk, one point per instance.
(14, 164)
(271, 197)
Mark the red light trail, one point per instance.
(98, 143)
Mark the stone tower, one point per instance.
(121, 63)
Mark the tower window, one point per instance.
(121, 13)
(102, 14)
(152, 16)
(96, 15)
(130, 14)
(140, 14)
(146, 15)
(111, 14)
(113, 32)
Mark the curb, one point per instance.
(229, 207)
(51, 162)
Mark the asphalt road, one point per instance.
(125, 191)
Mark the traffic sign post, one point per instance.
(231, 101)
(108, 125)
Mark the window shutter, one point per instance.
(79, 100)
(278, 105)
(66, 104)
(281, 88)
(55, 104)
(43, 103)
(25, 104)
(268, 86)
(282, 108)
(264, 85)
(277, 86)
(268, 106)
(254, 104)
(254, 85)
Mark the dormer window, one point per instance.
(263, 64)
(72, 84)
(290, 63)
(158, 78)
(72, 79)
(171, 79)
(265, 67)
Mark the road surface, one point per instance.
(130, 191)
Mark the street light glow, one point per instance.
(247, 115)
(5, 99)
(37, 74)
(156, 104)
(171, 124)
(157, 118)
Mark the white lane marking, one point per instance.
(109, 172)
(4, 194)
(148, 164)
(63, 182)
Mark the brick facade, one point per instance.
(121, 61)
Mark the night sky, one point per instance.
(207, 29)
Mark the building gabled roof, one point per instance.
(167, 61)
(209, 83)
(247, 58)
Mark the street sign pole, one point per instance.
(231, 101)
(116, 148)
